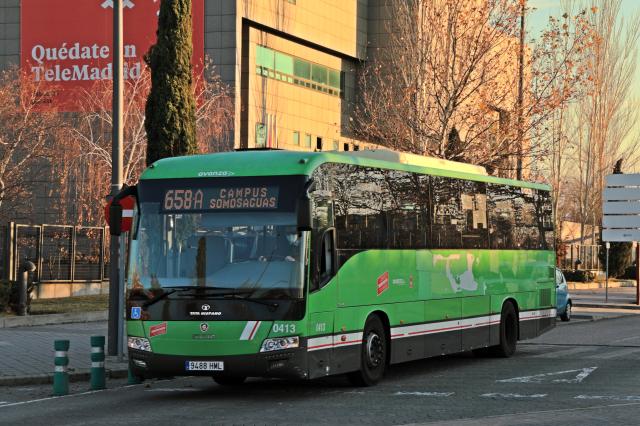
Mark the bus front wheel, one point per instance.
(373, 354)
(508, 332)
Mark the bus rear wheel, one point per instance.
(373, 354)
(508, 332)
(229, 380)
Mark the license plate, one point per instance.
(204, 365)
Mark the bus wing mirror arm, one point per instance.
(115, 218)
(305, 217)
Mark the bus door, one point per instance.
(321, 306)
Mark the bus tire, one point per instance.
(229, 380)
(373, 354)
(508, 332)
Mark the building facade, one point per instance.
(291, 65)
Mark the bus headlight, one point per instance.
(139, 343)
(280, 343)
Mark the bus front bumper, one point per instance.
(291, 363)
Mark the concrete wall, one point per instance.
(9, 33)
(55, 290)
(220, 40)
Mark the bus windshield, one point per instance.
(259, 254)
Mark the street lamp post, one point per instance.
(115, 310)
(519, 147)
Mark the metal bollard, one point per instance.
(23, 291)
(97, 363)
(60, 375)
(132, 378)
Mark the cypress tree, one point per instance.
(170, 120)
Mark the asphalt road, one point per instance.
(579, 374)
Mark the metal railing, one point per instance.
(587, 254)
(61, 253)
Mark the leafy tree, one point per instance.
(171, 108)
(620, 252)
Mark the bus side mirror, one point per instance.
(115, 219)
(305, 219)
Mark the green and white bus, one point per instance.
(303, 265)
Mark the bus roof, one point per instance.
(281, 162)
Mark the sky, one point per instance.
(538, 19)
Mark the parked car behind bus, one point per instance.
(563, 299)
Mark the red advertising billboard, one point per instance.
(66, 45)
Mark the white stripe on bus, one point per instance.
(336, 340)
(250, 330)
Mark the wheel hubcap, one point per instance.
(375, 350)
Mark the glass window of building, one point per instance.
(307, 140)
(289, 69)
(301, 68)
(265, 57)
(296, 138)
(336, 145)
(284, 63)
(319, 74)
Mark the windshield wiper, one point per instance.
(237, 296)
(175, 289)
(231, 294)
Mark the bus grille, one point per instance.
(545, 297)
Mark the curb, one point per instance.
(80, 375)
(573, 285)
(50, 319)
(608, 306)
(596, 317)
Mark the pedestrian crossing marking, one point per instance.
(443, 394)
(513, 395)
(583, 373)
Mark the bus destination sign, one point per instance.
(220, 199)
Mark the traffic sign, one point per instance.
(620, 235)
(127, 203)
(621, 217)
(621, 194)
(626, 221)
(621, 208)
(630, 179)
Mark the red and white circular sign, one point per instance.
(127, 203)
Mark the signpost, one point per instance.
(115, 310)
(621, 214)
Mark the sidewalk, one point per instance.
(619, 298)
(26, 353)
(591, 305)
